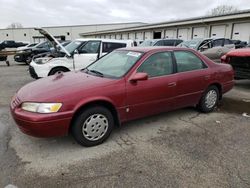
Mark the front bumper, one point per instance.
(42, 125)
(33, 73)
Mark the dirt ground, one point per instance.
(183, 148)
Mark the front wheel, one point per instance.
(92, 126)
(209, 100)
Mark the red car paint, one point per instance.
(131, 100)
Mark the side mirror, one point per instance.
(140, 76)
(76, 51)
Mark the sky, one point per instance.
(40, 13)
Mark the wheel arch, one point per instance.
(58, 67)
(101, 102)
(219, 86)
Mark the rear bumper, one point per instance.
(227, 86)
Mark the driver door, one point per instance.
(87, 54)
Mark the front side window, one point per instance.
(116, 64)
(91, 47)
(71, 47)
(159, 43)
(169, 43)
(218, 42)
(159, 64)
(187, 61)
(109, 46)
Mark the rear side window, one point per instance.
(110, 46)
(227, 41)
(169, 42)
(187, 61)
(159, 64)
(218, 42)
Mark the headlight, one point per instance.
(43, 108)
(42, 60)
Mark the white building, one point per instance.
(67, 32)
(234, 26)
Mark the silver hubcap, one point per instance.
(95, 127)
(211, 99)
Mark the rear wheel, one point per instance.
(58, 70)
(209, 100)
(92, 126)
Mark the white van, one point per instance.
(78, 55)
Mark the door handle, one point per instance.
(207, 77)
(172, 84)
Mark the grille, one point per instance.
(15, 102)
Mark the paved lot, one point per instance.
(177, 149)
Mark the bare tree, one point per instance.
(15, 25)
(222, 9)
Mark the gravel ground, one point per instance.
(183, 148)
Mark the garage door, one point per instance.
(218, 31)
(132, 36)
(125, 36)
(183, 34)
(148, 35)
(241, 32)
(139, 36)
(199, 32)
(170, 33)
(118, 36)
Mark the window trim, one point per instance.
(175, 61)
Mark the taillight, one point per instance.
(225, 59)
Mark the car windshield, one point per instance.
(71, 47)
(148, 43)
(114, 65)
(190, 43)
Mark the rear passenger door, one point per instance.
(192, 78)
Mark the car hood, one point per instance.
(51, 39)
(55, 88)
(239, 52)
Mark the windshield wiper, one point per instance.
(96, 72)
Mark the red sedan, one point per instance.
(124, 85)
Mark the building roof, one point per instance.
(202, 20)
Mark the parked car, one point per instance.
(2, 57)
(27, 46)
(240, 61)
(161, 42)
(212, 48)
(13, 44)
(26, 55)
(124, 85)
(75, 56)
(240, 44)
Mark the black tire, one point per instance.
(82, 136)
(203, 104)
(57, 70)
(28, 59)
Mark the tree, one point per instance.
(15, 25)
(222, 9)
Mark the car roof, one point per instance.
(104, 40)
(153, 48)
